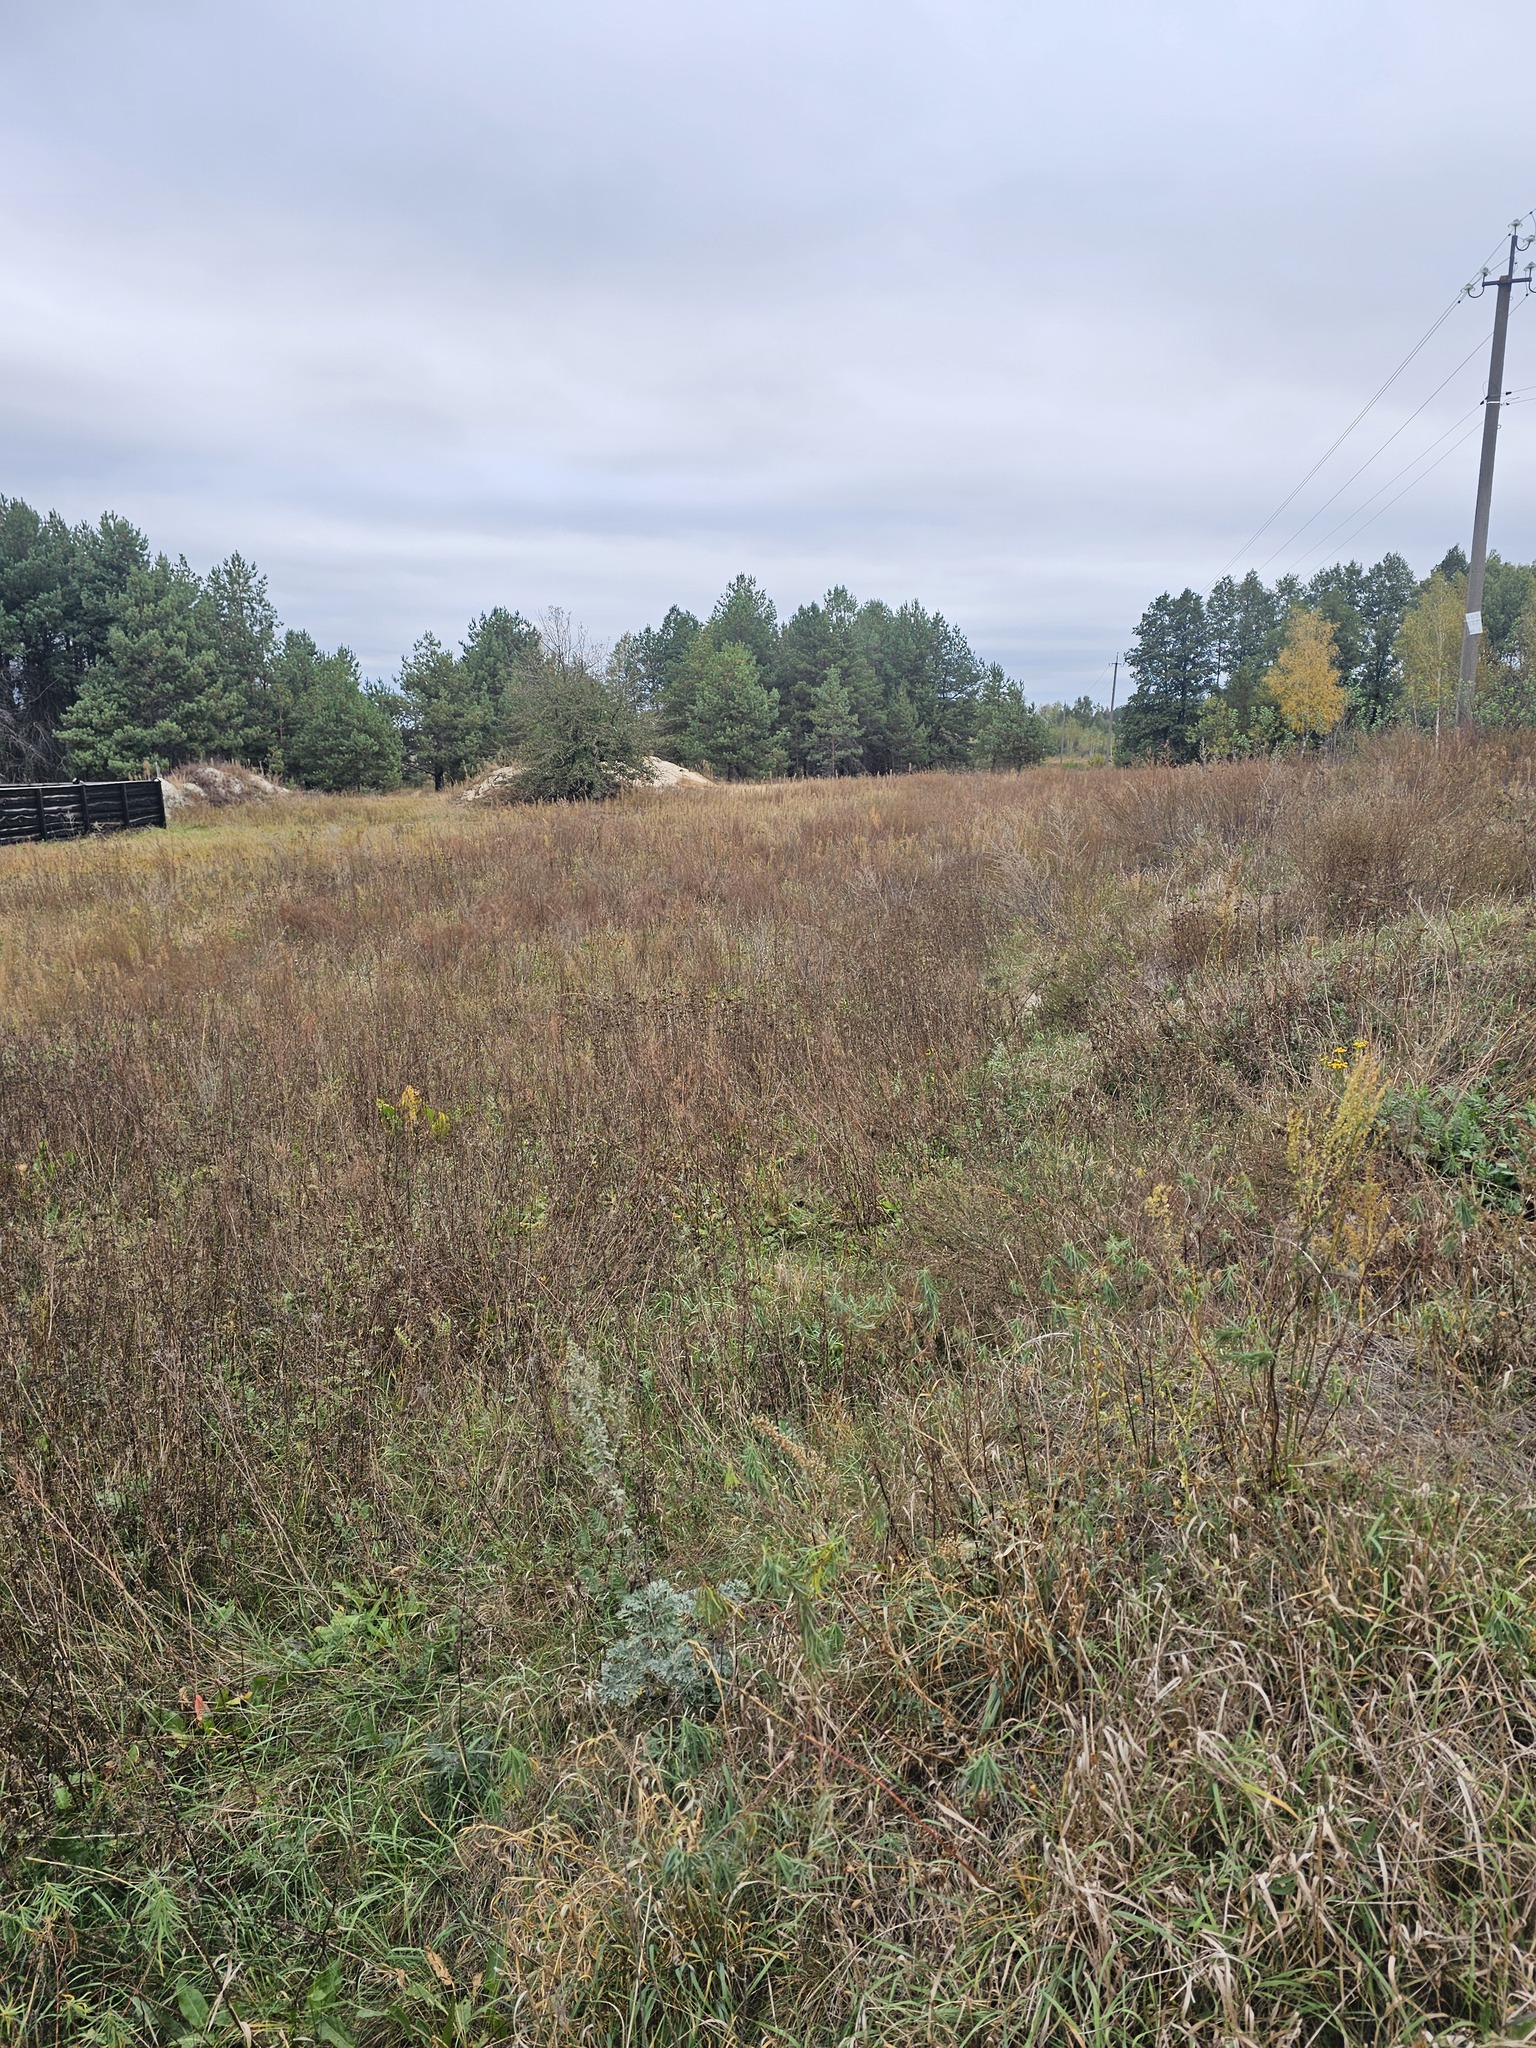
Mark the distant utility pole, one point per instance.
(1113, 681)
(1473, 627)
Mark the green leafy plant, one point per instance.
(1473, 1136)
(414, 1116)
(661, 1661)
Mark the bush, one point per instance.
(577, 740)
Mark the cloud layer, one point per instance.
(1026, 312)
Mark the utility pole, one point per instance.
(1113, 681)
(1476, 567)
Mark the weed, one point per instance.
(1476, 1137)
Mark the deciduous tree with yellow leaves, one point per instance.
(1429, 650)
(1304, 681)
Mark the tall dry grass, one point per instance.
(1063, 1241)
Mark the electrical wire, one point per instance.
(1469, 435)
(1318, 547)
(1350, 517)
(1475, 350)
(1334, 446)
(1423, 341)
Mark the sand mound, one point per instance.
(667, 774)
(494, 787)
(217, 783)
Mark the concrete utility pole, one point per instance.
(1114, 683)
(1476, 567)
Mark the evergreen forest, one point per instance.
(116, 660)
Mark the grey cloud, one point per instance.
(1023, 311)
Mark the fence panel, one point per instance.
(69, 810)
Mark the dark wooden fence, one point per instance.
(68, 810)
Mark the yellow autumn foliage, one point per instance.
(1429, 649)
(1304, 682)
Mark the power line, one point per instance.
(1334, 446)
(1465, 438)
(1476, 349)
(1318, 546)
(1423, 341)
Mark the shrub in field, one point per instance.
(658, 1659)
(1475, 1137)
(576, 738)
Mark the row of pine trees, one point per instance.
(837, 688)
(113, 657)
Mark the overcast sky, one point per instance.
(1025, 311)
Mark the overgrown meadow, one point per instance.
(868, 1411)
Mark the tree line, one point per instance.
(113, 656)
(1251, 667)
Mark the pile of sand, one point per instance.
(218, 783)
(667, 774)
(494, 786)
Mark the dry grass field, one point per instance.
(879, 1412)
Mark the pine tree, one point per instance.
(688, 665)
(450, 729)
(733, 729)
(834, 741)
(1244, 624)
(1174, 665)
(291, 675)
(1010, 733)
(807, 649)
(342, 736)
(744, 615)
(904, 739)
(157, 696)
(60, 588)
(867, 698)
(237, 625)
(659, 655)
(497, 649)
